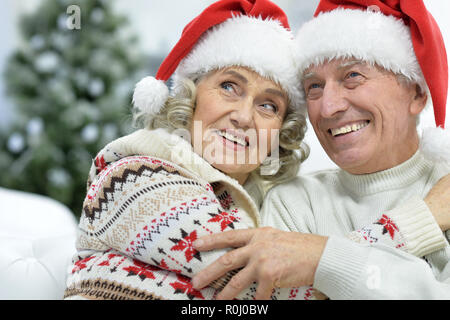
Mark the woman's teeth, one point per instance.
(229, 136)
(349, 128)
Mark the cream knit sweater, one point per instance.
(334, 203)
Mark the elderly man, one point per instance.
(368, 70)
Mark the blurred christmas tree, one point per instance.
(71, 86)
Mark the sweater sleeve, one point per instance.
(349, 270)
(410, 227)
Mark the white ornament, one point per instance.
(97, 15)
(96, 87)
(16, 143)
(150, 95)
(37, 42)
(47, 61)
(58, 177)
(35, 126)
(90, 133)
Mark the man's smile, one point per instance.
(351, 127)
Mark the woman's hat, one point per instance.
(247, 33)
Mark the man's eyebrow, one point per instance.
(237, 75)
(308, 76)
(350, 64)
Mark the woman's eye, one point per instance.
(227, 86)
(270, 107)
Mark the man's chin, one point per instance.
(351, 161)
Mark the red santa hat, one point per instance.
(399, 35)
(249, 33)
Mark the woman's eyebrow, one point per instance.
(276, 92)
(237, 75)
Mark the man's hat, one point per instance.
(399, 35)
(247, 33)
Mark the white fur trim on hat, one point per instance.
(362, 34)
(150, 95)
(366, 35)
(435, 144)
(264, 46)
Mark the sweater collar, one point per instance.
(399, 176)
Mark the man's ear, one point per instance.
(420, 100)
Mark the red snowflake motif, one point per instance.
(388, 225)
(226, 201)
(81, 264)
(140, 269)
(183, 285)
(165, 266)
(100, 163)
(185, 244)
(226, 219)
(308, 293)
(109, 257)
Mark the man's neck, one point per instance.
(391, 159)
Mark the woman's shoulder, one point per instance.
(139, 169)
(135, 181)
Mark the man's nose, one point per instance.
(242, 115)
(333, 100)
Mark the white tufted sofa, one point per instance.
(37, 242)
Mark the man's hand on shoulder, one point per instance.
(438, 201)
(270, 257)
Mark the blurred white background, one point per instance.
(158, 25)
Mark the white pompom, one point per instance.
(435, 144)
(150, 95)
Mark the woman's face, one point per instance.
(236, 121)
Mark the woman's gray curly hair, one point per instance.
(178, 112)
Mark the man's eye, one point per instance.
(353, 74)
(314, 86)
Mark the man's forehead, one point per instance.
(338, 64)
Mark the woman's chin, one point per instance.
(237, 171)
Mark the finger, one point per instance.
(242, 280)
(264, 290)
(231, 260)
(227, 239)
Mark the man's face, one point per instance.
(362, 115)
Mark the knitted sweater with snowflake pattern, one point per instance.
(149, 197)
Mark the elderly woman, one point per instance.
(196, 167)
(231, 128)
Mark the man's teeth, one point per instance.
(229, 136)
(349, 128)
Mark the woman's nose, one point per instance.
(242, 115)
